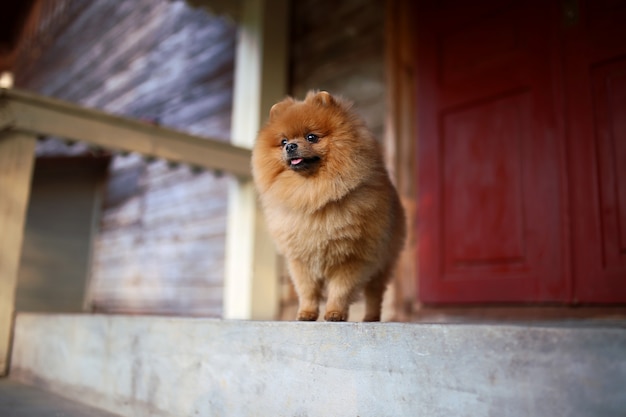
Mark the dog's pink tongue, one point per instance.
(296, 161)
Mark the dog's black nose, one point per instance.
(291, 147)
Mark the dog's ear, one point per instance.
(322, 98)
(280, 106)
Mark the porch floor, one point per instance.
(19, 400)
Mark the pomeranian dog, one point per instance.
(329, 204)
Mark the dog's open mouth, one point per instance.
(303, 163)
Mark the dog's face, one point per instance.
(303, 131)
(318, 141)
(300, 154)
(298, 137)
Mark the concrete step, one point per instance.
(175, 367)
(19, 400)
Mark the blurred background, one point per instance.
(503, 125)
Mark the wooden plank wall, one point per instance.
(160, 247)
(338, 47)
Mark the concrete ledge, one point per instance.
(151, 366)
(18, 400)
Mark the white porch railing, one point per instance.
(250, 282)
(35, 116)
(24, 117)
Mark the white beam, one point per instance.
(251, 281)
(17, 152)
(45, 116)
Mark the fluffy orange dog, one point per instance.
(329, 204)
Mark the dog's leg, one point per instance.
(342, 290)
(374, 292)
(337, 306)
(308, 289)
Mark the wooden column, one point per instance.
(251, 281)
(400, 141)
(17, 152)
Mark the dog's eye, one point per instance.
(283, 142)
(311, 137)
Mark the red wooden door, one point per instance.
(522, 151)
(595, 79)
(491, 163)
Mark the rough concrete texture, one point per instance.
(150, 366)
(18, 400)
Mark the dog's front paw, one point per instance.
(307, 315)
(371, 317)
(335, 316)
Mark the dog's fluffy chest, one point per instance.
(322, 238)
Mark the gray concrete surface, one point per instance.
(19, 400)
(169, 367)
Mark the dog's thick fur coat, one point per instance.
(329, 204)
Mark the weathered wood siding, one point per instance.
(160, 247)
(338, 46)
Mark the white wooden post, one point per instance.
(251, 270)
(17, 153)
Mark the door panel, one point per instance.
(595, 79)
(609, 90)
(482, 160)
(490, 157)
